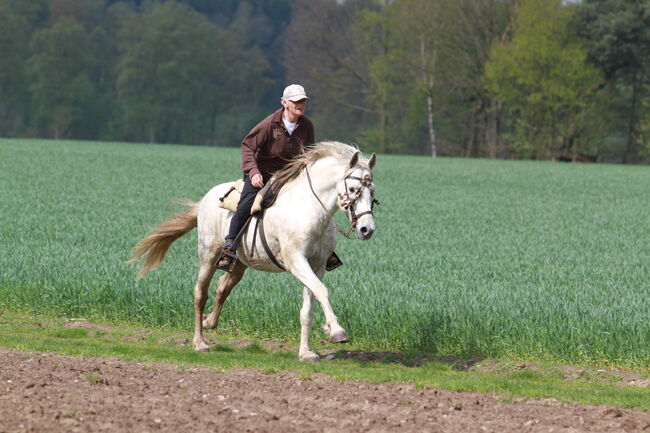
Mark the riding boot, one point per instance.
(333, 262)
(227, 259)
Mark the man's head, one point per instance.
(294, 100)
(294, 93)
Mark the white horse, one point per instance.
(299, 231)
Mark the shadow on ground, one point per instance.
(408, 359)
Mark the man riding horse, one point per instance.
(267, 148)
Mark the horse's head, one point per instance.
(356, 195)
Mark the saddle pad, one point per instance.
(231, 198)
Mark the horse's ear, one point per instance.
(354, 159)
(372, 161)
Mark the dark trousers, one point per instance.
(243, 208)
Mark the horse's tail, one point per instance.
(153, 248)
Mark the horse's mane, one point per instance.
(317, 151)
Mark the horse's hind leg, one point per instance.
(206, 271)
(224, 286)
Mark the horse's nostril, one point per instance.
(364, 230)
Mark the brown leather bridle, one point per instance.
(348, 200)
(351, 196)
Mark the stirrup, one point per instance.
(333, 262)
(227, 260)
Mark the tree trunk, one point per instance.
(383, 121)
(492, 130)
(213, 126)
(570, 139)
(432, 132)
(630, 150)
(473, 133)
(428, 80)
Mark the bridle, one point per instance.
(348, 200)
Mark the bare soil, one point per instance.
(42, 392)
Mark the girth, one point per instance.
(259, 226)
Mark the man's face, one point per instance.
(295, 108)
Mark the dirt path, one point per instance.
(51, 393)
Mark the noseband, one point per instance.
(349, 199)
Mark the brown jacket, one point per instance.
(268, 147)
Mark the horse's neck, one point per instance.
(323, 175)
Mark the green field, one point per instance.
(506, 259)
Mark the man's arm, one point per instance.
(310, 133)
(253, 142)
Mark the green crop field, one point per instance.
(507, 259)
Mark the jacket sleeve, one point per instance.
(251, 145)
(310, 137)
(309, 141)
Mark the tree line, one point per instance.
(541, 79)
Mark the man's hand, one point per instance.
(257, 181)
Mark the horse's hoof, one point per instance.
(339, 337)
(309, 357)
(201, 347)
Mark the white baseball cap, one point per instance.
(294, 92)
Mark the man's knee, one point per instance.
(248, 199)
(245, 204)
(248, 195)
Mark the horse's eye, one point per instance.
(353, 189)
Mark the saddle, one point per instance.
(263, 200)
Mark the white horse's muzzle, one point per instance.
(365, 227)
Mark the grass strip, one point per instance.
(52, 335)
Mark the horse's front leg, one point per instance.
(300, 268)
(305, 354)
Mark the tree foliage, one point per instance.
(323, 52)
(482, 78)
(542, 76)
(62, 88)
(176, 73)
(617, 34)
(474, 27)
(18, 19)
